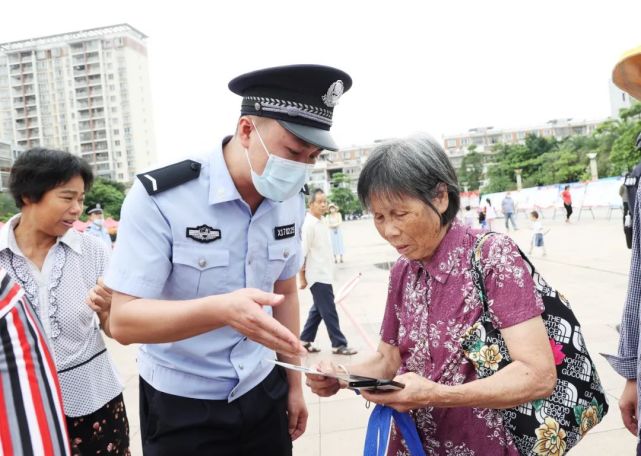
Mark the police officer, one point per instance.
(96, 225)
(208, 250)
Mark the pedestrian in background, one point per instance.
(508, 209)
(334, 220)
(567, 202)
(318, 273)
(96, 225)
(490, 214)
(538, 233)
(468, 216)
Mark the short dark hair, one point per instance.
(534, 214)
(414, 167)
(39, 170)
(313, 193)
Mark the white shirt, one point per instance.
(537, 227)
(317, 250)
(57, 293)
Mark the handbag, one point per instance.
(550, 426)
(378, 429)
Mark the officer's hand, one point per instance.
(99, 298)
(247, 317)
(303, 281)
(628, 406)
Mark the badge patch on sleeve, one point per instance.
(203, 233)
(284, 232)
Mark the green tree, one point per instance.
(471, 170)
(109, 194)
(342, 195)
(623, 155)
(8, 207)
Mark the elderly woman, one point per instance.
(58, 267)
(411, 189)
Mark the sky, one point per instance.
(440, 67)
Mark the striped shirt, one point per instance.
(31, 413)
(626, 362)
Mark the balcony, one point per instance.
(89, 137)
(82, 93)
(91, 125)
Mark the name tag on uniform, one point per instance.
(203, 233)
(284, 232)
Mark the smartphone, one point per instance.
(375, 384)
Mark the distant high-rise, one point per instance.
(85, 92)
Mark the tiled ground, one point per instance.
(586, 260)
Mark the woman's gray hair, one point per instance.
(413, 167)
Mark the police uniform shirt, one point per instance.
(99, 231)
(199, 239)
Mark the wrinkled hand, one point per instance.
(417, 393)
(99, 298)
(322, 385)
(628, 406)
(245, 314)
(296, 413)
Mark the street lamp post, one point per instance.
(519, 183)
(593, 169)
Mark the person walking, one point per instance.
(538, 233)
(508, 209)
(318, 273)
(204, 273)
(567, 202)
(335, 220)
(490, 214)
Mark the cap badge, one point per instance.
(333, 94)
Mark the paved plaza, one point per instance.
(586, 260)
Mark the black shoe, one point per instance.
(310, 348)
(344, 350)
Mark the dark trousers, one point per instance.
(324, 309)
(568, 211)
(253, 425)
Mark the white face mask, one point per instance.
(281, 178)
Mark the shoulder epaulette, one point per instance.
(161, 179)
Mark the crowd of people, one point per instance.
(204, 276)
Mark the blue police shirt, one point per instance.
(99, 231)
(157, 257)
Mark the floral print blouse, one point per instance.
(429, 306)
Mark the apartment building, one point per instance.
(348, 161)
(484, 138)
(85, 92)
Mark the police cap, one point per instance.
(300, 97)
(93, 209)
